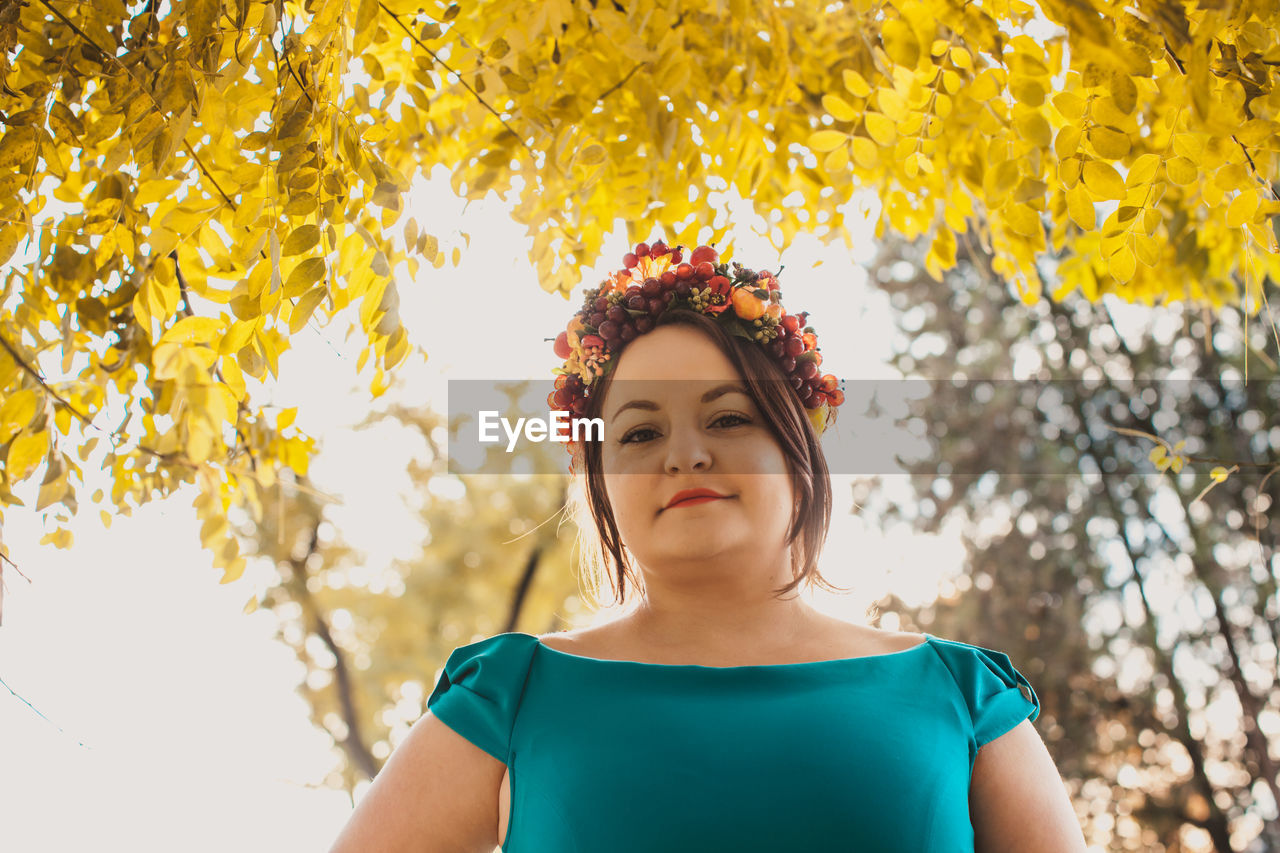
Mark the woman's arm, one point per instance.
(437, 793)
(1017, 801)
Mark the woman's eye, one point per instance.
(733, 418)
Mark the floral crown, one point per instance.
(655, 279)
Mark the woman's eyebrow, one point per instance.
(718, 391)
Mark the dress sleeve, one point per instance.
(480, 689)
(997, 695)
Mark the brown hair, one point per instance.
(603, 556)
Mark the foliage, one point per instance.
(193, 182)
(1138, 596)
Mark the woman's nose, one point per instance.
(687, 450)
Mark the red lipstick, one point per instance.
(689, 497)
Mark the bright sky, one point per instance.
(172, 718)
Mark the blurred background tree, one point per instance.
(495, 557)
(1144, 613)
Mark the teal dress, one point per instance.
(869, 754)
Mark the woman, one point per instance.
(720, 712)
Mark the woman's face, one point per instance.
(677, 416)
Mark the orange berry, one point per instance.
(746, 304)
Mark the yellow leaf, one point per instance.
(1068, 142)
(1103, 180)
(998, 181)
(827, 140)
(1069, 171)
(1143, 170)
(286, 418)
(880, 128)
(891, 104)
(305, 307)
(17, 147)
(592, 155)
(1108, 142)
(1181, 170)
(837, 160)
(1123, 264)
(304, 275)
(1242, 208)
(960, 58)
(1027, 90)
(10, 235)
(1035, 129)
(1080, 208)
(1070, 105)
(865, 152)
(1023, 219)
(839, 108)
(900, 42)
(25, 453)
(302, 239)
(856, 84)
(1148, 249)
(193, 329)
(1124, 92)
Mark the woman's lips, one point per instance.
(698, 500)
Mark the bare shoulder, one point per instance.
(580, 641)
(864, 639)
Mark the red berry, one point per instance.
(777, 348)
(596, 318)
(655, 306)
(677, 256)
(644, 324)
(787, 363)
(628, 332)
(658, 249)
(618, 314)
(637, 302)
(837, 397)
(830, 382)
(579, 405)
(667, 296)
(808, 369)
(562, 398)
(608, 330)
(562, 345)
(642, 250)
(796, 382)
(790, 322)
(601, 303)
(704, 271)
(668, 279)
(683, 288)
(684, 271)
(651, 287)
(629, 260)
(795, 346)
(703, 253)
